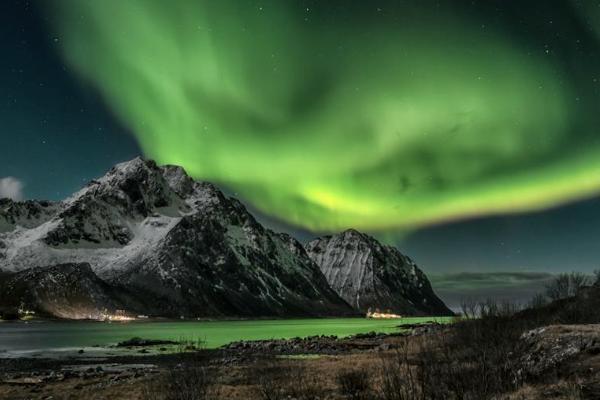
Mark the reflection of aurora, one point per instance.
(372, 118)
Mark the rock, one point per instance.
(310, 345)
(547, 348)
(384, 347)
(70, 374)
(23, 381)
(422, 329)
(371, 276)
(139, 342)
(367, 335)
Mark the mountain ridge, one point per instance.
(176, 246)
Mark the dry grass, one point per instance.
(356, 384)
(332, 376)
(190, 379)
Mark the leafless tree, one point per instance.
(566, 285)
(597, 277)
(468, 307)
(539, 300)
(578, 281)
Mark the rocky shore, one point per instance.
(149, 358)
(551, 350)
(314, 344)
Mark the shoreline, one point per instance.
(242, 370)
(73, 339)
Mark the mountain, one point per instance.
(175, 246)
(369, 275)
(64, 291)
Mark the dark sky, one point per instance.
(57, 133)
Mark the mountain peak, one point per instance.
(135, 163)
(137, 169)
(178, 179)
(173, 246)
(353, 234)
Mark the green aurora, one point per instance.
(329, 117)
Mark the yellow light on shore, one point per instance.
(382, 315)
(118, 316)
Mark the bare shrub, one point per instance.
(572, 389)
(191, 379)
(578, 281)
(477, 359)
(558, 288)
(583, 309)
(539, 300)
(471, 308)
(279, 381)
(468, 307)
(596, 277)
(399, 377)
(566, 285)
(355, 384)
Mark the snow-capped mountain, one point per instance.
(369, 275)
(174, 245)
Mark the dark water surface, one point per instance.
(36, 337)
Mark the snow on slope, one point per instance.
(177, 245)
(106, 209)
(369, 275)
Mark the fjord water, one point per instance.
(43, 336)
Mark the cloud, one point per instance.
(11, 187)
(517, 287)
(470, 280)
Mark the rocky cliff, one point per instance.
(370, 275)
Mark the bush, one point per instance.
(189, 380)
(596, 277)
(400, 380)
(567, 285)
(355, 384)
(538, 301)
(583, 309)
(476, 359)
(277, 381)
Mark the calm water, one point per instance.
(23, 338)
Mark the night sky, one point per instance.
(465, 132)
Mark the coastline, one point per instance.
(22, 338)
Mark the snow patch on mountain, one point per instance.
(180, 245)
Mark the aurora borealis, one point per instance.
(464, 132)
(332, 114)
